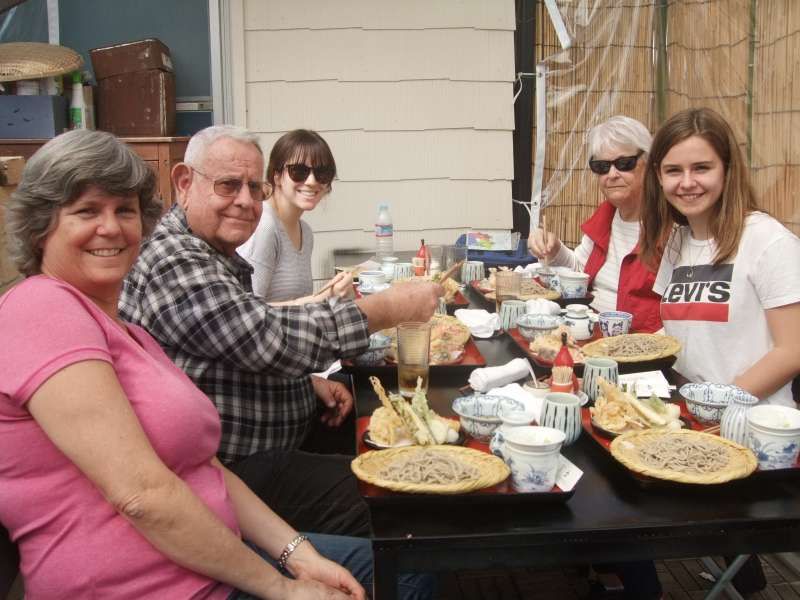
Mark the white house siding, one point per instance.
(414, 98)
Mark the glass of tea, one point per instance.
(413, 351)
(506, 287)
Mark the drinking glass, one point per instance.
(452, 255)
(413, 349)
(506, 287)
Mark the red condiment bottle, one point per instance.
(422, 260)
(563, 378)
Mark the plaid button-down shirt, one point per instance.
(250, 358)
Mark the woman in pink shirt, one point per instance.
(108, 477)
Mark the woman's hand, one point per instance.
(307, 565)
(544, 246)
(313, 590)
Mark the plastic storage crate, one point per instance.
(500, 258)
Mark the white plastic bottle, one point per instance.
(77, 108)
(384, 233)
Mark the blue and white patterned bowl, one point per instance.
(707, 401)
(533, 326)
(374, 355)
(479, 413)
(773, 434)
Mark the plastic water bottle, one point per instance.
(77, 108)
(384, 233)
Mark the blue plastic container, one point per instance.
(500, 258)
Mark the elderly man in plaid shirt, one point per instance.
(193, 293)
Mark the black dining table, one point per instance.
(612, 516)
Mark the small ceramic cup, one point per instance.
(615, 322)
(510, 312)
(371, 279)
(773, 434)
(403, 270)
(593, 368)
(472, 270)
(532, 453)
(562, 411)
(574, 284)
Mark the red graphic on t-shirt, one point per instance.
(700, 293)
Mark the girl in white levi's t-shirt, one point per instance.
(730, 274)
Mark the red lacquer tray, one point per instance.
(502, 493)
(659, 364)
(471, 358)
(604, 441)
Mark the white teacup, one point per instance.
(510, 312)
(403, 270)
(371, 279)
(595, 367)
(773, 434)
(532, 454)
(471, 270)
(562, 411)
(615, 322)
(574, 284)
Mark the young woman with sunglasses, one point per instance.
(608, 251)
(301, 169)
(730, 274)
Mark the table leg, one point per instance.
(384, 586)
(724, 577)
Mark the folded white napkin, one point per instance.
(533, 405)
(540, 306)
(530, 267)
(487, 378)
(481, 323)
(647, 382)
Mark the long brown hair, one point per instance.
(660, 218)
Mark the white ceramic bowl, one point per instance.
(773, 434)
(707, 401)
(479, 413)
(533, 326)
(374, 355)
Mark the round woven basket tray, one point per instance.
(627, 449)
(35, 60)
(664, 345)
(491, 470)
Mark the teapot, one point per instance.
(581, 321)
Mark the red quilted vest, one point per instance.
(635, 291)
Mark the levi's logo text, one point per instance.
(700, 293)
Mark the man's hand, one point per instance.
(402, 302)
(543, 246)
(337, 399)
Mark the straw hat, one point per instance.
(35, 60)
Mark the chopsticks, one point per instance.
(544, 237)
(449, 273)
(712, 429)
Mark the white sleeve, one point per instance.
(776, 272)
(261, 251)
(573, 259)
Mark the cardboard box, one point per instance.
(130, 57)
(137, 104)
(27, 117)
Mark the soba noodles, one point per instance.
(685, 455)
(428, 467)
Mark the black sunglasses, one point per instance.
(623, 163)
(299, 173)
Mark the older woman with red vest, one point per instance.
(609, 250)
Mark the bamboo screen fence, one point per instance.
(651, 58)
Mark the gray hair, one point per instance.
(202, 140)
(618, 133)
(58, 173)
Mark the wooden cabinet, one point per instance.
(161, 153)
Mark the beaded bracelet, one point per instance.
(287, 552)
